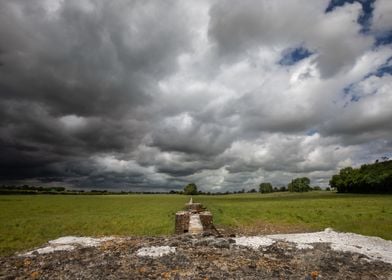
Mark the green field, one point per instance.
(31, 220)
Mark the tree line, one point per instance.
(296, 185)
(30, 189)
(301, 184)
(369, 178)
(27, 189)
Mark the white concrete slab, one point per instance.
(375, 248)
(195, 225)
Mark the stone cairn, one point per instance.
(194, 219)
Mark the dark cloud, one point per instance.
(89, 61)
(151, 95)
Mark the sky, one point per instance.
(151, 95)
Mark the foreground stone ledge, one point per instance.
(374, 248)
(204, 256)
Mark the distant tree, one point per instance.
(252, 191)
(345, 180)
(282, 189)
(299, 185)
(265, 188)
(190, 189)
(369, 178)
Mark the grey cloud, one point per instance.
(237, 27)
(364, 114)
(88, 62)
(88, 59)
(150, 95)
(244, 27)
(381, 22)
(174, 163)
(183, 133)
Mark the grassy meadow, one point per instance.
(31, 220)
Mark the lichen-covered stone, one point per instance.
(194, 257)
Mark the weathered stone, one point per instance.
(194, 207)
(117, 259)
(201, 222)
(206, 220)
(182, 222)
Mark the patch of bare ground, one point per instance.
(193, 257)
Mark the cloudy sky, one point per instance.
(151, 95)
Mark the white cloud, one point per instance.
(367, 108)
(241, 28)
(382, 20)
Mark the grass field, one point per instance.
(31, 220)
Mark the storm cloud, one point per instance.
(151, 95)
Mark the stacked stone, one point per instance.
(182, 222)
(183, 218)
(194, 207)
(206, 220)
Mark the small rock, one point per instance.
(221, 244)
